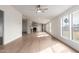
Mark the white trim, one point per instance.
(71, 33)
(61, 27)
(50, 26)
(8, 41)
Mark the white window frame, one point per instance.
(77, 11)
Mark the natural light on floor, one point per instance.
(42, 35)
(47, 50)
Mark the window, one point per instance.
(70, 26)
(66, 27)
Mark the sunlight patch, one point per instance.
(41, 35)
(47, 50)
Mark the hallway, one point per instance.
(39, 42)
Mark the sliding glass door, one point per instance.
(75, 26)
(70, 26)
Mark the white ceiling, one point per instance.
(28, 12)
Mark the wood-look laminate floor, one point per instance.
(36, 43)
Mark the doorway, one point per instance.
(1, 27)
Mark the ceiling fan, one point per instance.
(41, 8)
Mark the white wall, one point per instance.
(49, 27)
(56, 28)
(29, 23)
(39, 28)
(12, 23)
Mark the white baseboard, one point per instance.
(8, 41)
